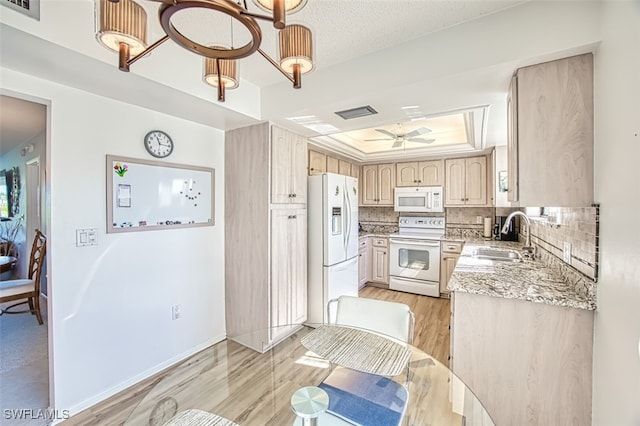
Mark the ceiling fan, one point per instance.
(400, 138)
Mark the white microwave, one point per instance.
(423, 199)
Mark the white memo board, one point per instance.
(149, 195)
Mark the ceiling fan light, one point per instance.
(228, 71)
(290, 6)
(296, 48)
(124, 22)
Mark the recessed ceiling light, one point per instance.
(410, 107)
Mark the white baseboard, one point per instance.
(138, 378)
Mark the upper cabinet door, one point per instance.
(555, 133)
(455, 182)
(407, 174)
(423, 173)
(344, 168)
(369, 185)
(476, 181)
(317, 163)
(333, 165)
(288, 167)
(512, 140)
(386, 184)
(298, 169)
(431, 173)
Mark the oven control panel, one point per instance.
(421, 222)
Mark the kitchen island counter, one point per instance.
(530, 280)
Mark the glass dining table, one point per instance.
(252, 388)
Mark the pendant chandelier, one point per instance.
(122, 27)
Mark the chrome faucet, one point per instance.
(528, 248)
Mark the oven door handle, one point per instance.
(414, 242)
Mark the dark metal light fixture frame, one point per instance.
(238, 13)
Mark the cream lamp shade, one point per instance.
(228, 73)
(290, 6)
(296, 48)
(124, 22)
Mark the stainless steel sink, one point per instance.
(507, 255)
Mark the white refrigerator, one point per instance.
(332, 208)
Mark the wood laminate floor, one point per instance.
(199, 382)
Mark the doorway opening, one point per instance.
(25, 357)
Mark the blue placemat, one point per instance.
(365, 399)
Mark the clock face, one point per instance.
(158, 143)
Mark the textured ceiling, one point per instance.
(439, 56)
(342, 29)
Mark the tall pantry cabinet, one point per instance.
(265, 234)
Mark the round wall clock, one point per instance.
(158, 143)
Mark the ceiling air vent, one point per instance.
(363, 111)
(30, 8)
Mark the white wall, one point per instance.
(616, 379)
(110, 318)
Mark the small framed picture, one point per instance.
(502, 181)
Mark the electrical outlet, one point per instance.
(566, 252)
(479, 220)
(175, 312)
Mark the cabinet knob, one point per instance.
(415, 181)
(295, 195)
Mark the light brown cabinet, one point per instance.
(288, 267)
(355, 171)
(376, 184)
(380, 261)
(420, 173)
(449, 254)
(317, 163)
(364, 262)
(344, 167)
(265, 241)
(333, 165)
(538, 357)
(550, 140)
(288, 171)
(466, 182)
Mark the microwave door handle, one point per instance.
(429, 200)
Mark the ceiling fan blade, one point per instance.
(380, 139)
(388, 133)
(398, 143)
(418, 132)
(421, 140)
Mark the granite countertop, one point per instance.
(372, 234)
(530, 280)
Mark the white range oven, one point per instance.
(414, 255)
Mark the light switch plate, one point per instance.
(566, 252)
(86, 237)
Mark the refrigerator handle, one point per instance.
(347, 217)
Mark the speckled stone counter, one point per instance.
(530, 280)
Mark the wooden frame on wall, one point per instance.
(145, 195)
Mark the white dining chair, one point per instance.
(390, 319)
(365, 398)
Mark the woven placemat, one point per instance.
(358, 349)
(195, 417)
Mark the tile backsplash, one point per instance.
(577, 226)
(381, 220)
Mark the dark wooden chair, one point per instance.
(27, 288)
